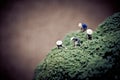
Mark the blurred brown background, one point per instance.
(30, 28)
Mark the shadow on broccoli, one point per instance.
(96, 59)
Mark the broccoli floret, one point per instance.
(96, 59)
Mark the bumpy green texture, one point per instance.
(96, 59)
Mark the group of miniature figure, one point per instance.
(76, 40)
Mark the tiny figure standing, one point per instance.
(59, 44)
(76, 41)
(89, 34)
(82, 26)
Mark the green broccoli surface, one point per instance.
(96, 59)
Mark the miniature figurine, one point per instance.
(89, 34)
(59, 44)
(82, 26)
(76, 41)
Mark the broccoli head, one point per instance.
(96, 59)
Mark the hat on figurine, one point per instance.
(89, 31)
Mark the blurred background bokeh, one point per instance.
(30, 28)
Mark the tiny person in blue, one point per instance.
(83, 26)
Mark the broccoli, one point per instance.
(96, 59)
